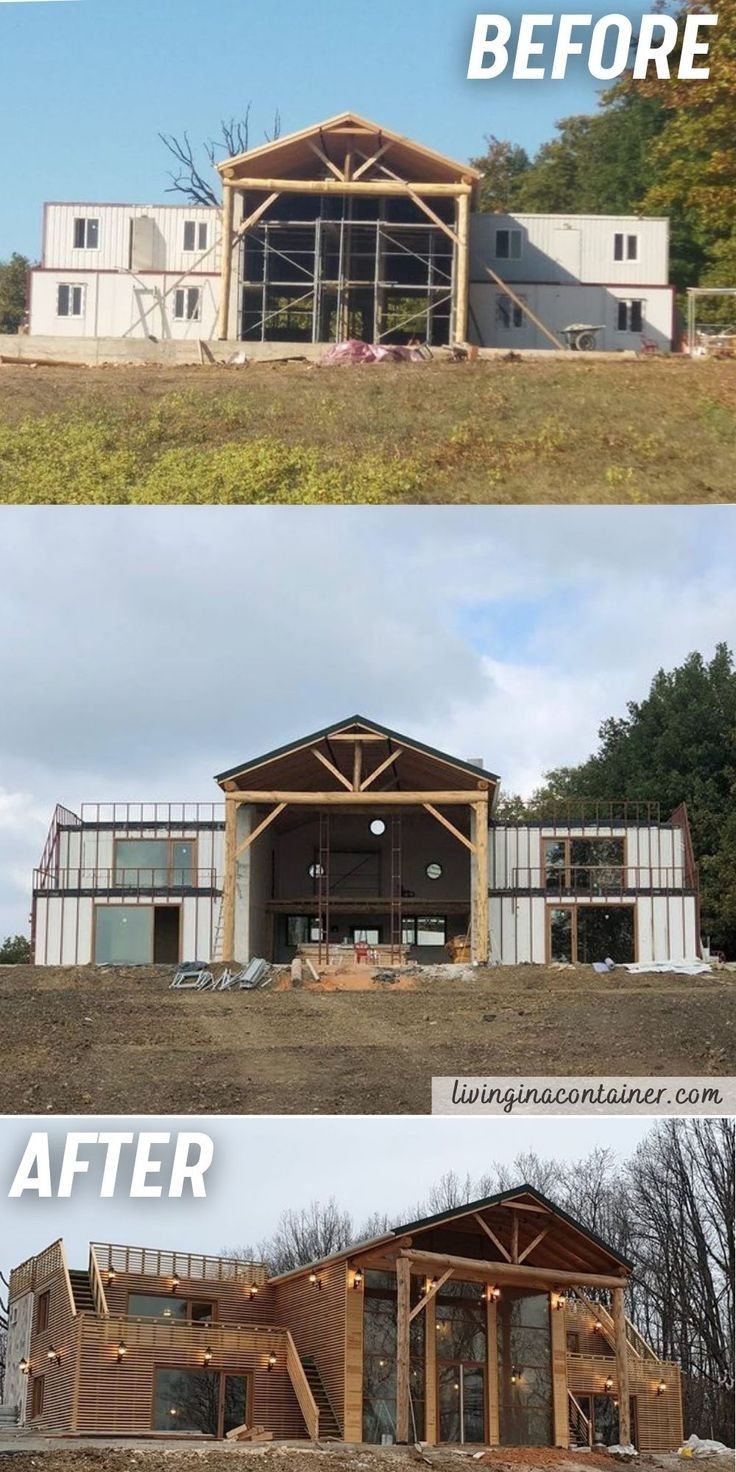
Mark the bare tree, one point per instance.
(191, 176)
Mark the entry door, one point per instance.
(233, 1403)
(462, 1403)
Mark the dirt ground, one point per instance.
(298, 1457)
(634, 430)
(89, 1040)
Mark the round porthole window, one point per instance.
(433, 871)
(316, 871)
(378, 826)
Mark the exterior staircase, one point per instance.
(82, 1291)
(329, 1426)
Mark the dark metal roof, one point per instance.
(372, 726)
(498, 1200)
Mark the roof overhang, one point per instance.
(340, 148)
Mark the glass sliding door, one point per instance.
(379, 1360)
(524, 1368)
(461, 1364)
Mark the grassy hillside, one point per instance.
(616, 431)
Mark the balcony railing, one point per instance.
(598, 881)
(126, 881)
(188, 1266)
(136, 815)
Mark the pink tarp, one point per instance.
(354, 351)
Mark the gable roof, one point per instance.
(338, 135)
(469, 770)
(516, 1193)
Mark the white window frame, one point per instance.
(185, 315)
(629, 247)
(201, 237)
(629, 303)
(516, 314)
(71, 287)
(86, 220)
(514, 250)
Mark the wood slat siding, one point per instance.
(232, 1298)
(317, 1320)
(353, 1404)
(118, 1398)
(558, 1345)
(48, 1273)
(658, 1417)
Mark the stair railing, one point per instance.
(98, 1290)
(302, 1389)
(579, 1424)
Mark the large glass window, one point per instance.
(123, 935)
(524, 1368)
(604, 933)
(159, 1306)
(187, 1400)
(379, 1360)
(560, 935)
(584, 865)
(461, 1362)
(424, 930)
(153, 862)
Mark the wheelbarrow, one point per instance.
(582, 337)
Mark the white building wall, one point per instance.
(572, 249)
(666, 928)
(654, 853)
(160, 247)
(121, 305)
(563, 305)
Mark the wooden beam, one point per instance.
(481, 1271)
(515, 1239)
(226, 260)
(357, 766)
(255, 215)
(334, 770)
(419, 202)
(403, 1293)
(359, 799)
(369, 162)
(527, 1250)
(335, 186)
(369, 780)
(390, 1249)
(492, 1235)
(479, 897)
(622, 1366)
(431, 1292)
(260, 829)
(228, 879)
(450, 827)
(355, 736)
(462, 276)
(320, 153)
(522, 1206)
(524, 308)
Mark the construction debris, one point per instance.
(695, 1447)
(195, 976)
(355, 351)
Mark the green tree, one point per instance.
(15, 951)
(677, 745)
(13, 274)
(503, 166)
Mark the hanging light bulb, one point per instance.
(358, 1278)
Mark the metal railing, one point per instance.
(580, 1425)
(136, 815)
(193, 1267)
(588, 812)
(144, 880)
(598, 880)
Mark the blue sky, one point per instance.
(508, 633)
(89, 84)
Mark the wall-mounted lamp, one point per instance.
(561, 1301)
(515, 1375)
(492, 1294)
(175, 1281)
(24, 1366)
(597, 1327)
(271, 1360)
(122, 1351)
(357, 1279)
(207, 1356)
(661, 1388)
(253, 1290)
(111, 1276)
(608, 1385)
(53, 1354)
(315, 1281)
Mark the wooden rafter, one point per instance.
(369, 162)
(338, 173)
(331, 768)
(535, 1243)
(376, 773)
(494, 1239)
(515, 1239)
